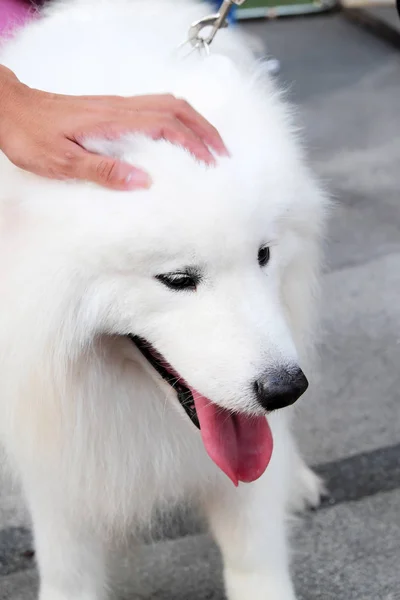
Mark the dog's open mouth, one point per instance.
(185, 396)
(240, 445)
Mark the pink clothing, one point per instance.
(13, 13)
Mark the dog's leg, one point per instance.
(70, 557)
(249, 524)
(308, 488)
(249, 527)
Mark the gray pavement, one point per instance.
(346, 83)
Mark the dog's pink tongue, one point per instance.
(240, 446)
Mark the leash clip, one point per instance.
(216, 22)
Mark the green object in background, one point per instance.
(253, 9)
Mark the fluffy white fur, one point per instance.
(97, 440)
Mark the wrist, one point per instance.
(12, 92)
(8, 83)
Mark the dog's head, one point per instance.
(210, 272)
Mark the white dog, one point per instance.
(129, 320)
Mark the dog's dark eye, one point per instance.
(179, 281)
(263, 256)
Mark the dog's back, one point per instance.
(133, 47)
(87, 59)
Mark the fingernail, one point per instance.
(223, 151)
(138, 179)
(220, 148)
(210, 160)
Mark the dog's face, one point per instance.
(198, 267)
(208, 298)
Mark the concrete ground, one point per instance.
(347, 85)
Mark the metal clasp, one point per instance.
(216, 22)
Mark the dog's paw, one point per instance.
(242, 585)
(51, 593)
(309, 490)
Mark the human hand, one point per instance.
(43, 133)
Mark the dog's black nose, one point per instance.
(278, 389)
